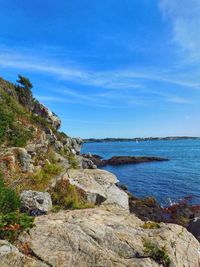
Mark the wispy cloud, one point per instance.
(119, 89)
(49, 99)
(178, 100)
(130, 79)
(185, 19)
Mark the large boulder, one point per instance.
(98, 183)
(11, 256)
(98, 237)
(85, 163)
(36, 202)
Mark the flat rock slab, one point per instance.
(98, 237)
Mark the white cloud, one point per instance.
(178, 100)
(60, 99)
(185, 19)
(120, 79)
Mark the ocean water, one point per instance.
(168, 181)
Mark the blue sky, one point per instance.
(108, 68)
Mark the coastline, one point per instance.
(139, 139)
(148, 208)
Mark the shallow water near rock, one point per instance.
(168, 181)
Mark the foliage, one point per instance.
(24, 82)
(9, 200)
(150, 225)
(6, 121)
(12, 224)
(11, 221)
(11, 102)
(72, 161)
(44, 175)
(11, 130)
(40, 120)
(24, 91)
(156, 253)
(67, 196)
(19, 135)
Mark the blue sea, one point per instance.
(168, 181)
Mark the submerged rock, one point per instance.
(98, 237)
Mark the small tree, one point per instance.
(24, 91)
(25, 82)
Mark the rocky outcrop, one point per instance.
(147, 209)
(33, 201)
(98, 184)
(180, 213)
(74, 144)
(45, 113)
(119, 160)
(99, 237)
(85, 163)
(11, 256)
(25, 160)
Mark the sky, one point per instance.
(108, 68)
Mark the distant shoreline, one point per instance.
(139, 139)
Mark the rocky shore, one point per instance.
(181, 213)
(57, 209)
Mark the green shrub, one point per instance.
(72, 161)
(156, 253)
(6, 121)
(9, 200)
(44, 175)
(19, 135)
(52, 168)
(12, 224)
(67, 196)
(40, 120)
(11, 221)
(12, 131)
(11, 102)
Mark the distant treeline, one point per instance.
(139, 139)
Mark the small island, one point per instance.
(119, 160)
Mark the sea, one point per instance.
(168, 181)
